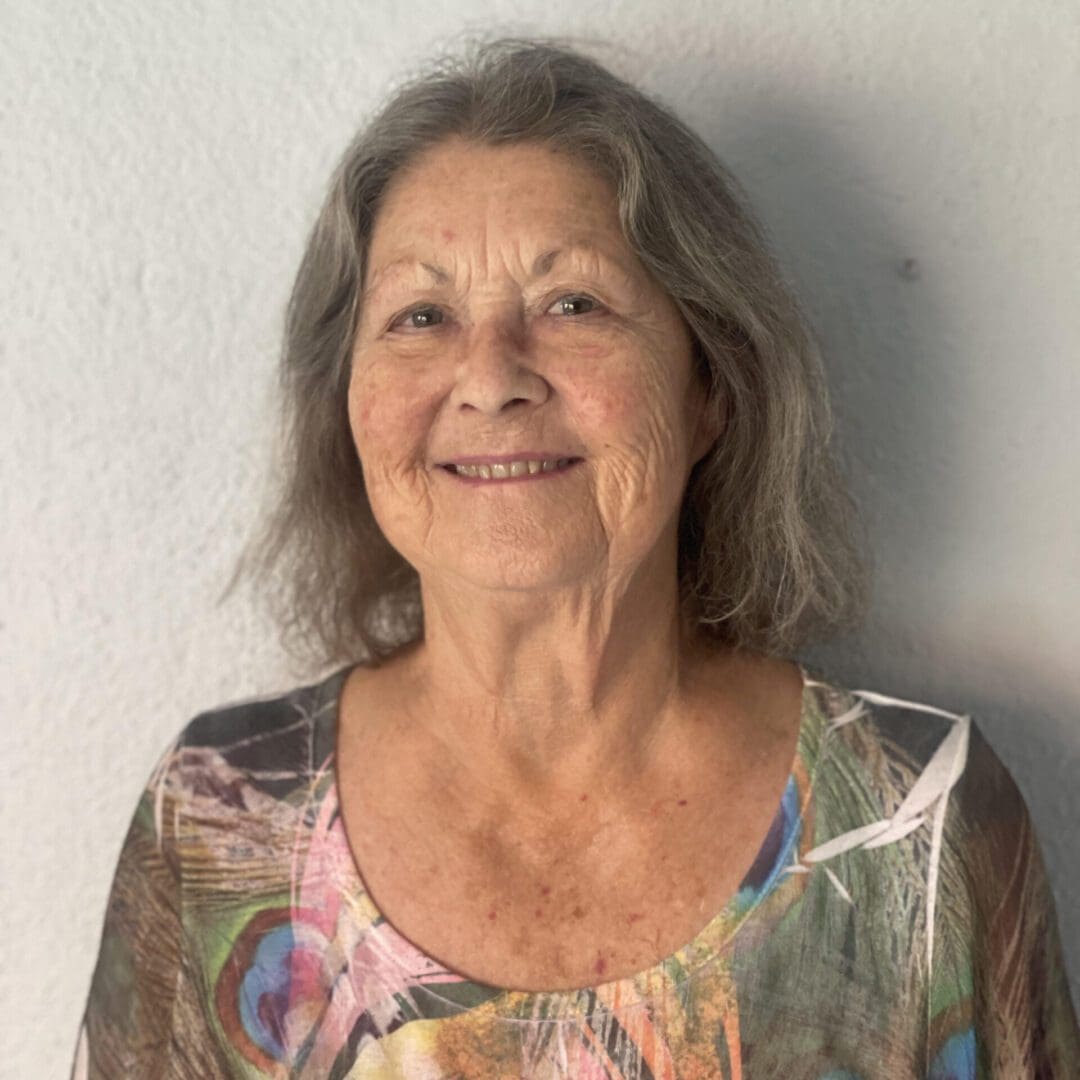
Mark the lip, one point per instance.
(525, 477)
(507, 459)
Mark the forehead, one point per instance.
(457, 174)
(581, 249)
(462, 201)
(461, 193)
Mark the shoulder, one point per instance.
(926, 842)
(898, 746)
(885, 768)
(251, 749)
(241, 731)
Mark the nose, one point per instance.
(495, 371)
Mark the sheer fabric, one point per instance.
(896, 923)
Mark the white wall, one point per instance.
(916, 163)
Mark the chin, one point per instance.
(507, 567)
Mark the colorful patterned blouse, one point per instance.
(896, 923)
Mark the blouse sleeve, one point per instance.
(144, 1015)
(126, 1023)
(1024, 1023)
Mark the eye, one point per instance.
(575, 298)
(425, 310)
(428, 311)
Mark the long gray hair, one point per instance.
(767, 558)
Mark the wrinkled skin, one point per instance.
(503, 366)
(494, 362)
(556, 733)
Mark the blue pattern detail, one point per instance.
(264, 991)
(775, 853)
(956, 1059)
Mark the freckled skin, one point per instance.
(524, 755)
(614, 386)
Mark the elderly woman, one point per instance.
(559, 511)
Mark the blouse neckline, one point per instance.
(777, 851)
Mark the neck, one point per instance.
(552, 692)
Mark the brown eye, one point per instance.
(574, 299)
(423, 313)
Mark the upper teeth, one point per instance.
(510, 468)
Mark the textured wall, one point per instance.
(916, 164)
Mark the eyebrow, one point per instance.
(542, 265)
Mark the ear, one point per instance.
(709, 423)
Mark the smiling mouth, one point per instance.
(512, 470)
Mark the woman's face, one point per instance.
(506, 319)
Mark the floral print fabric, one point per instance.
(896, 923)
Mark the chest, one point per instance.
(600, 898)
(543, 891)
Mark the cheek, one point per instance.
(379, 412)
(387, 421)
(632, 414)
(390, 423)
(632, 422)
(602, 407)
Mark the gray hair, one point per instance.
(767, 559)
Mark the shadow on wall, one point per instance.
(889, 349)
